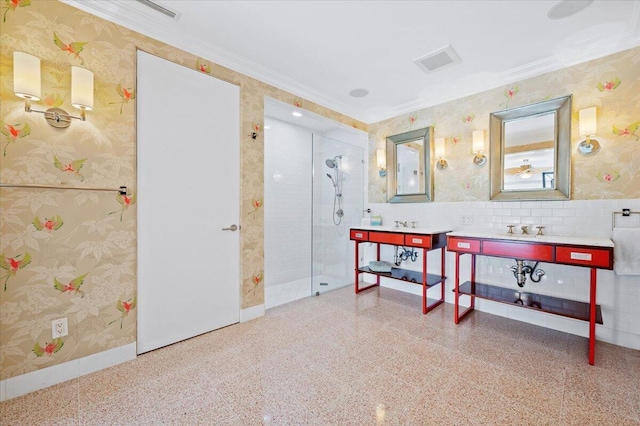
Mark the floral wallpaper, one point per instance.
(611, 84)
(68, 253)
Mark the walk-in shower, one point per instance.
(334, 163)
(314, 192)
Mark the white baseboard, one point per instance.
(251, 313)
(40, 379)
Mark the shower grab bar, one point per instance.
(123, 190)
(623, 213)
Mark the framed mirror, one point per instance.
(409, 169)
(531, 152)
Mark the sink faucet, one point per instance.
(403, 224)
(525, 229)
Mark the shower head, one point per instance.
(332, 163)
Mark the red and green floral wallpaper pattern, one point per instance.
(66, 253)
(611, 84)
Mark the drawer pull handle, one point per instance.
(580, 256)
(416, 240)
(464, 245)
(358, 235)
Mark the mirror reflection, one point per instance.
(409, 170)
(529, 153)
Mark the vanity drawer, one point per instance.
(359, 235)
(516, 250)
(414, 240)
(584, 256)
(463, 245)
(386, 238)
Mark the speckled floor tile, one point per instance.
(346, 359)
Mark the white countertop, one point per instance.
(430, 231)
(553, 239)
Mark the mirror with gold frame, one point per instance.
(531, 151)
(409, 169)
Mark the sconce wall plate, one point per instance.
(57, 117)
(442, 164)
(588, 146)
(479, 159)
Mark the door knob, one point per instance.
(233, 227)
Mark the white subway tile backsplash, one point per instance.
(565, 212)
(619, 296)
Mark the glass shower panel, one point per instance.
(338, 201)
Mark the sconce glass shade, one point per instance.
(441, 164)
(81, 88)
(440, 151)
(381, 158)
(26, 76)
(588, 122)
(478, 147)
(478, 141)
(588, 127)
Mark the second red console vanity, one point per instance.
(425, 239)
(593, 253)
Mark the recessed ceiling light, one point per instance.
(359, 93)
(566, 8)
(296, 114)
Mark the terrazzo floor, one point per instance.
(345, 359)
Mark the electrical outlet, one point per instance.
(59, 328)
(466, 220)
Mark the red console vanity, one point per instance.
(425, 239)
(593, 253)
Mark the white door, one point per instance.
(188, 191)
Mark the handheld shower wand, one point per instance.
(333, 163)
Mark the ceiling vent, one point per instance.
(161, 9)
(437, 59)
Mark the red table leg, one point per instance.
(456, 306)
(456, 298)
(592, 317)
(442, 272)
(357, 263)
(356, 285)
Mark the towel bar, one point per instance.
(123, 190)
(623, 213)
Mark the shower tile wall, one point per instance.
(619, 296)
(287, 207)
(334, 259)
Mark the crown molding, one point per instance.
(130, 15)
(134, 16)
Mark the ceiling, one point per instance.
(321, 50)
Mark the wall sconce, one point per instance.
(588, 127)
(478, 148)
(440, 151)
(381, 161)
(27, 85)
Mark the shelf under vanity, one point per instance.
(420, 238)
(593, 253)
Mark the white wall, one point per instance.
(619, 296)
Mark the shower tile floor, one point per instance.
(280, 294)
(346, 359)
